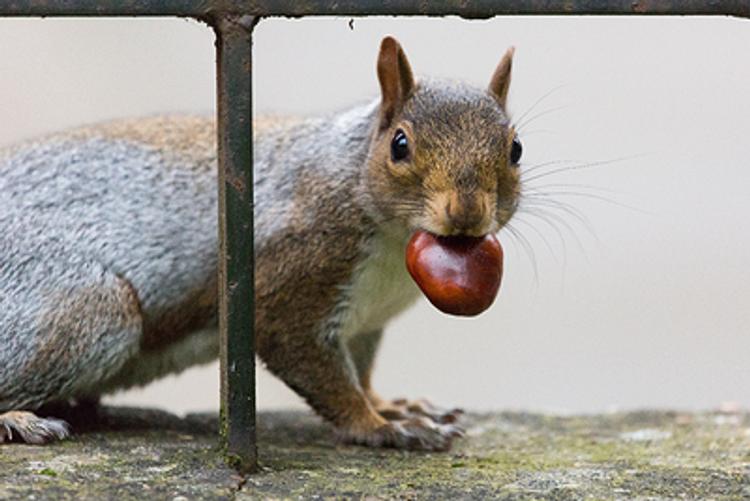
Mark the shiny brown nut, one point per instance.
(460, 275)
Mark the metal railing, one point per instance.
(233, 22)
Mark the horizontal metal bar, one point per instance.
(490, 8)
(208, 9)
(44, 8)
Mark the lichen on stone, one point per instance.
(134, 453)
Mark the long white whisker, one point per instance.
(580, 167)
(519, 128)
(537, 102)
(540, 212)
(592, 196)
(538, 131)
(524, 243)
(592, 187)
(568, 209)
(535, 167)
(557, 231)
(539, 234)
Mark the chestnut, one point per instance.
(460, 275)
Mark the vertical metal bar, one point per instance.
(236, 263)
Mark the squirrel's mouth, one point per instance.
(445, 227)
(459, 274)
(448, 231)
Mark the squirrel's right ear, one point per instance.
(500, 82)
(396, 78)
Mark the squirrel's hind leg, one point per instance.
(63, 334)
(30, 428)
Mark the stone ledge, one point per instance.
(650, 455)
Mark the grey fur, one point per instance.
(80, 211)
(108, 256)
(79, 214)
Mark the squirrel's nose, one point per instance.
(465, 213)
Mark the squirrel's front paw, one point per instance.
(31, 428)
(415, 433)
(401, 409)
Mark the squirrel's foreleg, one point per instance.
(325, 373)
(363, 348)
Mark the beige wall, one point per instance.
(645, 305)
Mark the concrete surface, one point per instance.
(124, 453)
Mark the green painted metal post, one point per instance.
(236, 263)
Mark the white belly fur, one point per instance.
(382, 287)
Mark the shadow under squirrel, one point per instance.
(108, 248)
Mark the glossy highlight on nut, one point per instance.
(460, 275)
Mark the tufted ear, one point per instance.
(396, 79)
(500, 82)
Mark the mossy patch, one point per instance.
(515, 456)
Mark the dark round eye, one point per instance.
(516, 150)
(399, 146)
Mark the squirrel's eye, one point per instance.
(399, 146)
(516, 150)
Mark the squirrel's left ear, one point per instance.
(395, 76)
(500, 82)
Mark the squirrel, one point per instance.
(108, 248)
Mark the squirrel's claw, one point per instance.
(401, 409)
(416, 433)
(31, 428)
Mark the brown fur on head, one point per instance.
(450, 171)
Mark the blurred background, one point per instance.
(628, 286)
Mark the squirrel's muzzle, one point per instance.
(465, 213)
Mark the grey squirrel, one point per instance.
(108, 248)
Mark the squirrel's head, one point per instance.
(444, 156)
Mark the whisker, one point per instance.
(538, 233)
(581, 166)
(539, 131)
(592, 196)
(570, 210)
(511, 233)
(526, 246)
(536, 167)
(544, 214)
(558, 204)
(538, 101)
(544, 239)
(519, 127)
(539, 214)
(539, 188)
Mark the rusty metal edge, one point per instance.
(236, 238)
(205, 9)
